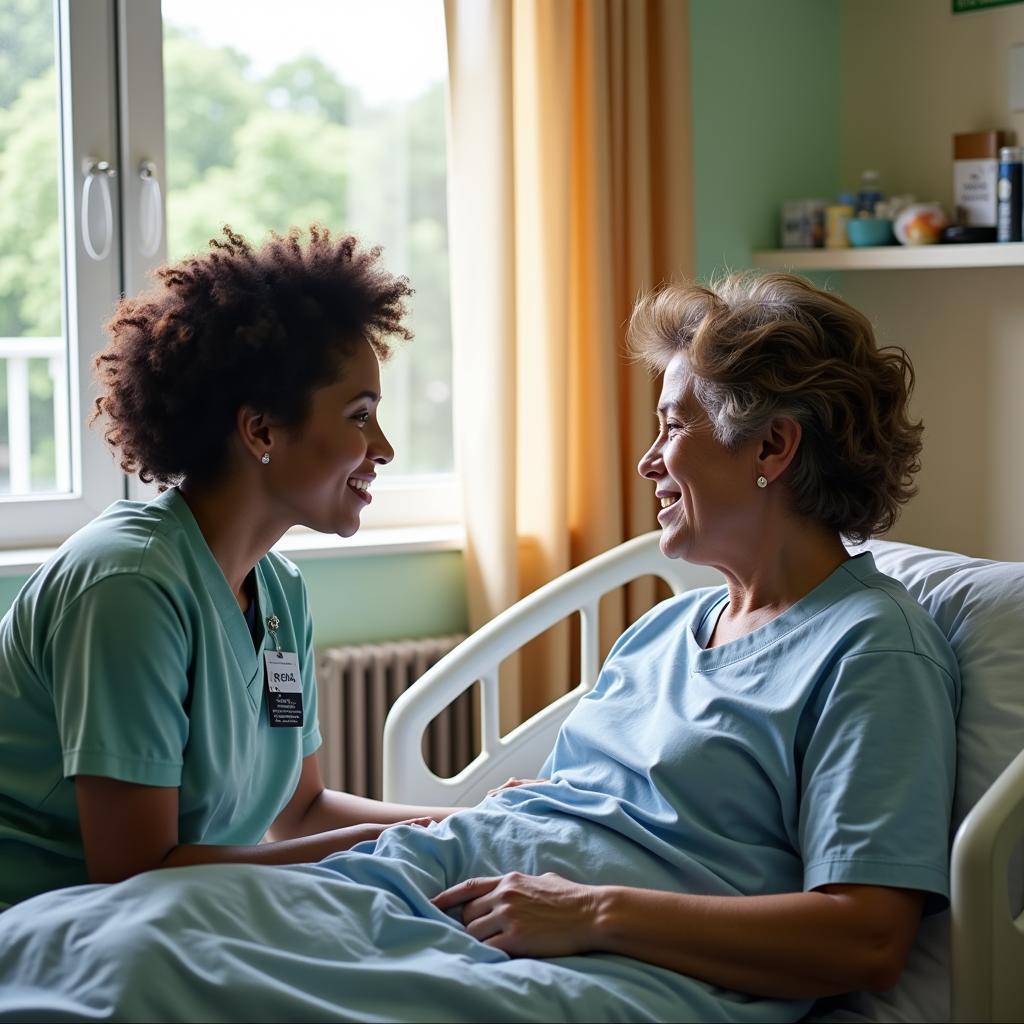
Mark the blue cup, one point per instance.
(870, 231)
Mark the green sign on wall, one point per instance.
(960, 6)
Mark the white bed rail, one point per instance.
(406, 776)
(987, 942)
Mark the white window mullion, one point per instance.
(140, 58)
(143, 156)
(89, 133)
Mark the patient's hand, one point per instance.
(512, 783)
(526, 915)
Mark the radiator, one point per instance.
(356, 686)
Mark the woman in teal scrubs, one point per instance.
(157, 695)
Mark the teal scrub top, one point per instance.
(127, 656)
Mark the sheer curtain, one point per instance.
(569, 193)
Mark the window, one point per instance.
(317, 110)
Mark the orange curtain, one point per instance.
(569, 194)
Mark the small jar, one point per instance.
(837, 217)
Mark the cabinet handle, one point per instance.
(97, 170)
(151, 209)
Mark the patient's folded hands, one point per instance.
(527, 915)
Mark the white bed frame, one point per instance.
(987, 962)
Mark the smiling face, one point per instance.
(707, 492)
(323, 470)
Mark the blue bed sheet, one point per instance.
(353, 938)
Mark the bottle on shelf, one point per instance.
(869, 195)
(1009, 189)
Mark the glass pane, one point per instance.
(328, 111)
(34, 438)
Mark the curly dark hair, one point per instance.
(767, 345)
(237, 326)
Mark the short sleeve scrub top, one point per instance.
(127, 656)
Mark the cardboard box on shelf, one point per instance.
(975, 170)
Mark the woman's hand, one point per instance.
(526, 915)
(353, 834)
(512, 783)
(315, 810)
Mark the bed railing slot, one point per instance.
(589, 644)
(490, 708)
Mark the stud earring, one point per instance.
(265, 458)
(762, 481)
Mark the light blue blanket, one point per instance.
(353, 938)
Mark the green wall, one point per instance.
(362, 599)
(386, 597)
(765, 78)
(9, 586)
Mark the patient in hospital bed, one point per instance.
(748, 812)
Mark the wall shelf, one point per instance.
(894, 257)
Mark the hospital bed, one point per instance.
(968, 963)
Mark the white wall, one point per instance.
(913, 73)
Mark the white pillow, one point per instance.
(979, 605)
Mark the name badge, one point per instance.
(284, 689)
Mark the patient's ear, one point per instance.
(778, 448)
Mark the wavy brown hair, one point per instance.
(768, 345)
(237, 326)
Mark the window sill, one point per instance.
(301, 544)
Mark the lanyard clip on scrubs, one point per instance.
(273, 624)
(284, 682)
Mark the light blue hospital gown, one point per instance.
(817, 749)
